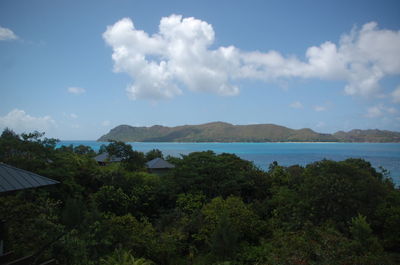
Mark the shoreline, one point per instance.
(216, 142)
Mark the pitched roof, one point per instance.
(158, 163)
(105, 157)
(12, 178)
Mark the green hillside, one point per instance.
(214, 132)
(226, 132)
(378, 136)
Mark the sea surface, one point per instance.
(386, 155)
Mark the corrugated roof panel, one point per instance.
(105, 157)
(12, 178)
(159, 163)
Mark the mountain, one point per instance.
(225, 132)
(213, 132)
(376, 136)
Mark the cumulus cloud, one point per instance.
(374, 112)
(180, 55)
(7, 34)
(319, 108)
(20, 121)
(379, 111)
(76, 90)
(296, 105)
(396, 95)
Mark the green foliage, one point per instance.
(73, 213)
(112, 200)
(132, 160)
(30, 220)
(224, 240)
(27, 151)
(190, 203)
(84, 150)
(336, 190)
(126, 231)
(213, 175)
(119, 149)
(154, 153)
(123, 257)
(234, 211)
(361, 232)
(211, 209)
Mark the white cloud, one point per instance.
(106, 123)
(379, 110)
(374, 112)
(76, 90)
(180, 56)
(396, 95)
(319, 108)
(296, 105)
(391, 110)
(73, 116)
(7, 34)
(20, 121)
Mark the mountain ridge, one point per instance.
(226, 132)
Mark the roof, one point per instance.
(105, 157)
(12, 178)
(159, 163)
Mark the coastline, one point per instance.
(239, 142)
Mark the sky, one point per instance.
(76, 69)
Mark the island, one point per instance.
(226, 132)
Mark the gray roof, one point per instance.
(159, 163)
(105, 157)
(12, 178)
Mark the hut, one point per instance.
(13, 179)
(159, 166)
(105, 158)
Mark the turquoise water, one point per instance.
(386, 155)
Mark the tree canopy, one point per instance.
(210, 209)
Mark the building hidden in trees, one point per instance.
(159, 166)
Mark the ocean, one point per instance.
(386, 155)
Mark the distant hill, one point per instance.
(376, 136)
(225, 132)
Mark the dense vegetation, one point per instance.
(225, 132)
(211, 209)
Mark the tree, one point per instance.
(234, 211)
(364, 240)
(154, 153)
(123, 257)
(336, 190)
(111, 199)
(84, 150)
(224, 240)
(138, 236)
(131, 160)
(213, 175)
(28, 151)
(119, 149)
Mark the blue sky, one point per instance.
(75, 69)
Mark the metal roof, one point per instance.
(105, 157)
(12, 178)
(158, 163)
